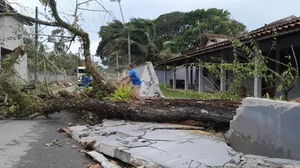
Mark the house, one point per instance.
(11, 33)
(287, 35)
(210, 39)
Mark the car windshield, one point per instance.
(80, 70)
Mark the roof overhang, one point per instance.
(258, 35)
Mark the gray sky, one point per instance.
(253, 13)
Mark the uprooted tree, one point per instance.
(23, 102)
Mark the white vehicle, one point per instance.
(80, 74)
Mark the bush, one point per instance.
(123, 93)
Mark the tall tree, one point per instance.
(169, 25)
(201, 21)
(109, 35)
(114, 40)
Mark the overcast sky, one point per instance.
(253, 13)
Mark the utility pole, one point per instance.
(117, 64)
(36, 46)
(117, 60)
(79, 50)
(128, 37)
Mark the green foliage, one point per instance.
(123, 93)
(199, 22)
(275, 98)
(196, 95)
(169, 25)
(64, 61)
(165, 37)
(289, 78)
(250, 62)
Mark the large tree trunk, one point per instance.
(209, 114)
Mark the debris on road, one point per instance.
(82, 151)
(94, 166)
(73, 146)
(105, 163)
(53, 143)
(60, 130)
(89, 144)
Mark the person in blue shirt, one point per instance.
(87, 81)
(133, 77)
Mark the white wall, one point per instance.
(52, 77)
(218, 40)
(11, 31)
(21, 68)
(180, 75)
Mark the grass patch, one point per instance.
(196, 95)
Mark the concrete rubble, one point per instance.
(155, 145)
(102, 160)
(266, 127)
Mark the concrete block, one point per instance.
(266, 127)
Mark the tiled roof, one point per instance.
(212, 36)
(207, 37)
(265, 31)
(281, 21)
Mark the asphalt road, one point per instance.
(23, 144)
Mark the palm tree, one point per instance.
(143, 40)
(110, 34)
(145, 45)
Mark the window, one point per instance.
(213, 40)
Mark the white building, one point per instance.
(11, 33)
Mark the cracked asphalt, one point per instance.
(23, 144)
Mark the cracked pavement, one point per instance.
(167, 145)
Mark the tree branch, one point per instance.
(31, 19)
(53, 6)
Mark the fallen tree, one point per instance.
(209, 114)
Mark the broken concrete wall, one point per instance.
(150, 85)
(155, 145)
(266, 127)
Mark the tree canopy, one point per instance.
(167, 36)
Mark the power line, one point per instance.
(110, 13)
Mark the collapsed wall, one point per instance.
(266, 127)
(150, 83)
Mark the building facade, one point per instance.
(188, 77)
(11, 36)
